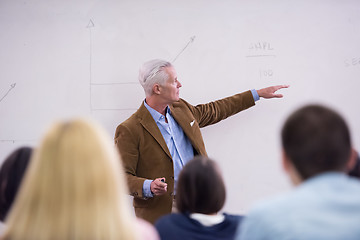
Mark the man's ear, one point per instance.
(156, 89)
(285, 162)
(352, 160)
(290, 170)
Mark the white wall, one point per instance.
(81, 58)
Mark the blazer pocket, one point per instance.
(143, 203)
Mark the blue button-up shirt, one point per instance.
(177, 142)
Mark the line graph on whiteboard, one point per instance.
(93, 85)
(12, 86)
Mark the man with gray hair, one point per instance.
(164, 134)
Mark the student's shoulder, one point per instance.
(280, 204)
(268, 218)
(233, 217)
(146, 230)
(170, 218)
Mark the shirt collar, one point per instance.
(208, 220)
(155, 114)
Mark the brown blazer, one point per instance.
(145, 154)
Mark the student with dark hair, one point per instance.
(11, 175)
(325, 204)
(200, 196)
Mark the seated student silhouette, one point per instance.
(11, 174)
(325, 204)
(200, 197)
(74, 188)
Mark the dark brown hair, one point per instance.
(316, 139)
(11, 174)
(200, 187)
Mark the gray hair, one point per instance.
(152, 72)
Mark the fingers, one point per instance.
(269, 92)
(277, 95)
(285, 86)
(158, 186)
(278, 87)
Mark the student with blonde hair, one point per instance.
(74, 189)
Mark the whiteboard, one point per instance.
(61, 59)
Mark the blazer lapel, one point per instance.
(186, 125)
(148, 122)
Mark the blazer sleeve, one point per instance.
(127, 145)
(213, 112)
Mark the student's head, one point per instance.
(153, 72)
(200, 187)
(315, 140)
(11, 174)
(74, 188)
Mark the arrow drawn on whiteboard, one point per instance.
(11, 88)
(90, 26)
(191, 40)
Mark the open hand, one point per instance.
(269, 92)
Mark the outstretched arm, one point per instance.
(269, 92)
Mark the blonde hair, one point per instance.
(74, 189)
